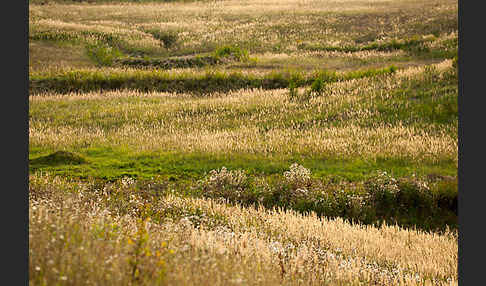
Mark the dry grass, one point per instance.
(260, 26)
(232, 123)
(50, 56)
(122, 233)
(80, 235)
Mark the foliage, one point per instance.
(406, 201)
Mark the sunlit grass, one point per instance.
(232, 142)
(80, 233)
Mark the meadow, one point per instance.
(294, 142)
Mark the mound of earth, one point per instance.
(59, 158)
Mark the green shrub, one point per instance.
(446, 194)
(415, 194)
(293, 92)
(382, 191)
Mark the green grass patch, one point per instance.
(111, 163)
(429, 100)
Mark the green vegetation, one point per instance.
(162, 81)
(381, 198)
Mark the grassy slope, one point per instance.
(403, 122)
(427, 101)
(396, 32)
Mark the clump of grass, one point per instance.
(315, 90)
(455, 62)
(224, 183)
(317, 87)
(167, 38)
(102, 54)
(233, 52)
(293, 92)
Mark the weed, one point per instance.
(317, 87)
(293, 92)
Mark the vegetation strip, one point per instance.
(163, 81)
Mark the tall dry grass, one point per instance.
(80, 235)
(340, 123)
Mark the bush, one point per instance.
(294, 187)
(415, 194)
(317, 87)
(293, 92)
(446, 193)
(298, 176)
(228, 184)
(382, 190)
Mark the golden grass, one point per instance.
(260, 26)
(231, 123)
(48, 56)
(77, 238)
(81, 234)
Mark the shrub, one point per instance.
(229, 184)
(293, 92)
(415, 194)
(446, 193)
(294, 187)
(382, 190)
(298, 176)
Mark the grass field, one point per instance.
(290, 142)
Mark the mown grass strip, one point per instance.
(163, 81)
